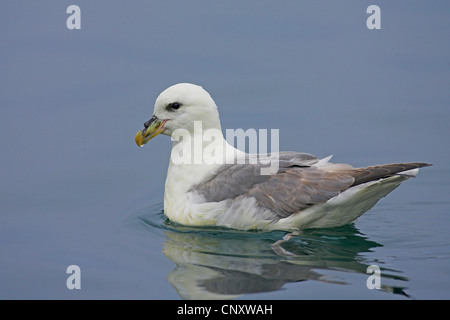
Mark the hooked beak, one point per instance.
(152, 128)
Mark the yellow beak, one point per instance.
(153, 127)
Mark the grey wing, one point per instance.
(233, 180)
(296, 186)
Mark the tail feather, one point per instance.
(363, 175)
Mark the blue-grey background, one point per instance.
(71, 102)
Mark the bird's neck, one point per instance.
(195, 156)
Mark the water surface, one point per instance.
(75, 189)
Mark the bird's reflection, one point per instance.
(215, 263)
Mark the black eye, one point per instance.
(173, 106)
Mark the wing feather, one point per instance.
(297, 185)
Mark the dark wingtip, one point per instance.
(423, 164)
(363, 175)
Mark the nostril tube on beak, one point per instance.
(149, 122)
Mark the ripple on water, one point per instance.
(217, 262)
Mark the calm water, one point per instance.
(75, 189)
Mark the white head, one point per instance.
(178, 107)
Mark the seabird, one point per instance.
(231, 190)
